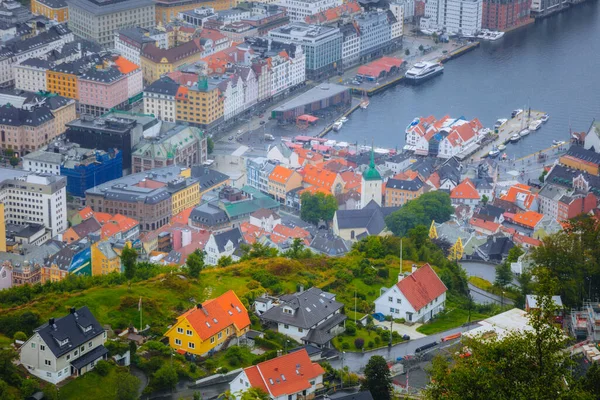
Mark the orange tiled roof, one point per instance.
(217, 314)
(464, 190)
(422, 287)
(295, 232)
(281, 174)
(318, 177)
(314, 190)
(434, 179)
(483, 224)
(351, 179)
(109, 230)
(522, 239)
(86, 213)
(125, 66)
(184, 216)
(306, 155)
(529, 219)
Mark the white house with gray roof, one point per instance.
(64, 347)
(224, 244)
(311, 316)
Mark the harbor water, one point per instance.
(550, 66)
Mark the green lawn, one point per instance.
(91, 386)
(452, 318)
(5, 341)
(367, 335)
(489, 287)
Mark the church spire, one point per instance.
(371, 173)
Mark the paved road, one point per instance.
(356, 361)
(482, 297)
(483, 270)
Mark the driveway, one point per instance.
(402, 329)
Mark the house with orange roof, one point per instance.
(522, 196)
(461, 137)
(79, 231)
(282, 180)
(121, 227)
(329, 181)
(465, 193)
(485, 227)
(307, 156)
(207, 326)
(528, 219)
(334, 14)
(291, 376)
(352, 180)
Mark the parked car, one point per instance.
(379, 317)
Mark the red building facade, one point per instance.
(502, 15)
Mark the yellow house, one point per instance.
(63, 83)
(104, 259)
(282, 180)
(53, 10)
(187, 197)
(207, 326)
(157, 62)
(201, 105)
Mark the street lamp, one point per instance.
(502, 301)
(342, 374)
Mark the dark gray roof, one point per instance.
(19, 45)
(364, 395)
(13, 116)
(583, 154)
(103, 7)
(482, 183)
(136, 34)
(64, 258)
(329, 244)
(424, 167)
(402, 184)
(310, 307)
(371, 217)
(563, 176)
(37, 62)
(56, 102)
(164, 85)
(54, 3)
(496, 247)
(208, 177)
(310, 349)
(86, 227)
(70, 327)
(209, 214)
(492, 211)
(90, 356)
(233, 235)
(105, 75)
(318, 337)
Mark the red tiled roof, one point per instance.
(528, 218)
(288, 232)
(464, 190)
(434, 179)
(184, 216)
(86, 213)
(285, 375)
(483, 224)
(318, 177)
(281, 174)
(203, 319)
(422, 287)
(522, 239)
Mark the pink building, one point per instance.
(24, 131)
(135, 77)
(102, 88)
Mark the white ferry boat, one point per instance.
(490, 35)
(423, 71)
(535, 125)
(337, 125)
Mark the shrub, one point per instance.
(102, 367)
(399, 320)
(20, 336)
(377, 340)
(383, 273)
(192, 368)
(345, 345)
(359, 343)
(395, 335)
(370, 344)
(350, 328)
(253, 285)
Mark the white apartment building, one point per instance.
(456, 17)
(32, 198)
(159, 99)
(30, 74)
(298, 10)
(42, 161)
(250, 85)
(350, 45)
(408, 8)
(130, 41)
(287, 70)
(233, 91)
(397, 27)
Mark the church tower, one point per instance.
(371, 184)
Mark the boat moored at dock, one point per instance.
(535, 125)
(514, 138)
(423, 71)
(337, 125)
(500, 122)
(544, 118)
(524, 132)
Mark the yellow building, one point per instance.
(157, 62)
(104, 259)
(206, 326)
(62, 82)
(64, 111)
(2, 229)
(201, 105)
(56, 10)
(282, 180)
(187, 197)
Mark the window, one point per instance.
(178, 342)
(212, 339)
(82, 349)
(220, 335)
(188, 332)
(399, 301)
(90, 345)
(191, 345)
(392, 310)
(286, 326)
(390, 299)
(42, 347)
(47, 362)
(68, 357)
(75, 353)
(179, 330)
(48, 374)
(33, 345)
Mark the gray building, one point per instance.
(375, 34)
(322, 46)
(98, 20)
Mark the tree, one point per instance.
(407, 52)
(316, 207)
(126, 386)
(421, 48)
(504, 275)
(378, 379)
(521, 365)
(432, 206)
(14, 161)
(255, 393)
(257, 250)
(9, 152)
(484, 199)
(225, 261)
(28, 387)
(195, 263)
(20, 336)
(7, 392)
(210, 145)
(542, 177)
(8, 371)
(102, 367)
(128, 260)
(297, 250)
(165, 377)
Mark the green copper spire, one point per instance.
(371, 173)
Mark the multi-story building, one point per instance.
(399, 191)
(457, 17)
(182, 145)
(258, 171)
(149, 197)
(26, 130)
(503, 15)
(56, 10)
(83, 168)
(159, 99)
(168, 10)
(263, 78)
(322, 46)
(250, 83)
(101, 89)
(104, 259)
(99, 20)
(232, 90)
(23, 48)
(114, 131)
(129, 42)
(63, 79)
(200, 104)
(157, 62)
(30, 74)
(32, 198)
(64, 347)
(281, 181)
(350, 45)
(375, 34)
(13, 12)
(288, 69)
(198, 16)
(298, 10)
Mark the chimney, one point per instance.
(199, 306)
(51, 322)
(400, 276)
(414, 268)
